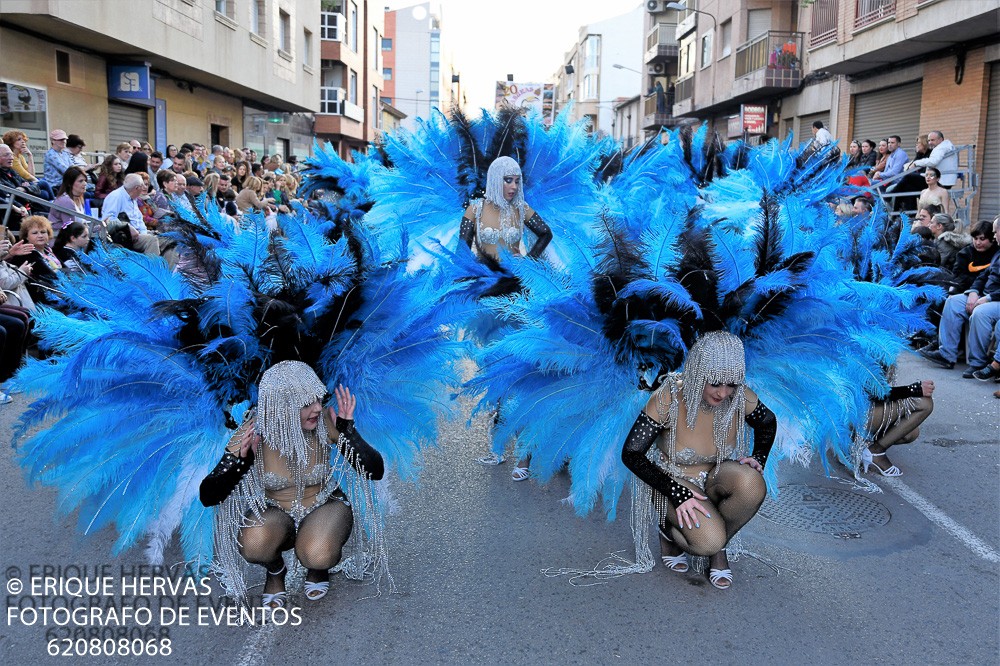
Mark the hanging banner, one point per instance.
(754, 118)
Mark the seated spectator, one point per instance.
(75, 146)
(110, 176)
(124, 153)
(14, 279)
(138, 164)
(24, 164)
(821, 135)
(218, 165)
(71, 242)
(36, 232)
(178, 164)
(13, 333)
(896, 158)
(980, 307)
(921, 149)
(946, 239)
(881, 159)
(146, 203)
(154, 163)
(854, 154)
(248, 200)
(57, 159)
(929, 255)
(924, 214)
(10, 178)
(869, 155)
(974, 258)
(167, 181)
(71, 195)
(934, 194)
(862, 206)
(146, 148)
(122, 202)
(943, 156)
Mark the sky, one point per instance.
(526, 38)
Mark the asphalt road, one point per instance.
(844, 576)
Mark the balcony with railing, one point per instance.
(661, 43)
(337, 115)
(824, 23)
(768, 63)
(658, 111)
(869, 12)
(683, 96)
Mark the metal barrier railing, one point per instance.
(14, 193)
(960, 195)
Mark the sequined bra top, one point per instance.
(508, 233)
(314, 477)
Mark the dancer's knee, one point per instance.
(704, 540)
(319, 555)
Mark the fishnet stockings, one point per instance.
(734, 496)
(889, 423)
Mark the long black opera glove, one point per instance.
(540, 229)
(765, 427)
(644, 432)
(359, 452)
(914, 390)
(467, 231)
(218, 485)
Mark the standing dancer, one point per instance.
(497, 221)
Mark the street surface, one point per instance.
(909, 577)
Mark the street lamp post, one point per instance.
(416, 103)
(680, 6)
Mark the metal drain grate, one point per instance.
(825, 510)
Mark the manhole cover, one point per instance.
(824, 510)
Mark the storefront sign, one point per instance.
(754, 118)
(130, 83)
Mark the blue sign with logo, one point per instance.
(130, 83)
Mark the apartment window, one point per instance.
(706, 50)
(376, 111)
(352, 91)
(257, 13)
(387, 73)
(387, 43)
(225, 7)
(590, 86)
(331, 20)
(592, 52)
(726, 39)
(307, 45)
(352, 35)
(387, 100)
(685, 64)
(284, 31)
(62, 67)
(375, 49)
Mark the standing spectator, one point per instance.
(943, 156)
(935, 194)
(110, 177)
(57, 159)
(71, 195)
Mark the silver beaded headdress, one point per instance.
(284, 389)
(500, 169)
(716, 358)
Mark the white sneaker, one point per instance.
(4, 398)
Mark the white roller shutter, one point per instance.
(806, 123)
(882, 113)
(126, 123)
(989, 186)
(758, 22)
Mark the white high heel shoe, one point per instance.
(676, 563)
(867, 458)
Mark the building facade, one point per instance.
(351, 82)
(419, 73)
(601, 67)
(232, 72)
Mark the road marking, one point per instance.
(937, 516)
(258, 648)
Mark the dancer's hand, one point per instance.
(686, 515)
(753, 462)
(345, 403)
(249, 440)
(927, 388)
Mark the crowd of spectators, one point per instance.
(134, 191)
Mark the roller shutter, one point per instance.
(758, 22)
(806, 123)
(126, 123)
(882, 113)
(989, 192)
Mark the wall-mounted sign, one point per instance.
(754, 118)
(131, 83)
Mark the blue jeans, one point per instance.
(983, 324)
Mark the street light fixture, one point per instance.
(618, 66)
(416, 103)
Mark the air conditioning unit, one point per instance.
(656, 69)
(652, 6)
